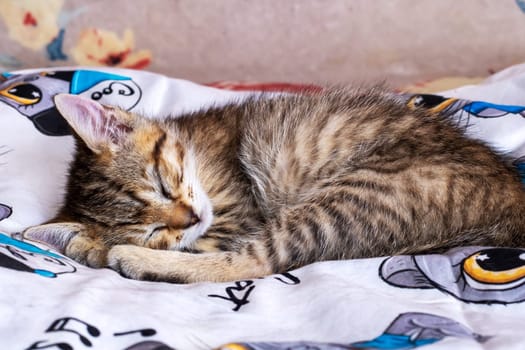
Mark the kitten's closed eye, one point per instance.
(164, 188)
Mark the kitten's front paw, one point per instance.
(71, 239)
(130, 261)
(87, 251)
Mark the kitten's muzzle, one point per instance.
(183, 217)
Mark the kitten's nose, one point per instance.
(184, 217)
(192, 219)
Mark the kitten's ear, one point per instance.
(99, 126)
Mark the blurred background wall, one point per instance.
(330, 41)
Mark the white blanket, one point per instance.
(470, 298)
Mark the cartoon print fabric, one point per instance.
(471, 274)
(407, 331)
(468, 298)
(33, 136)
(32, 94)
(71, 306)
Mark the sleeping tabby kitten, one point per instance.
(269, 185)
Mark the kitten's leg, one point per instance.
(180, 267)
(297, 236)
(73, 240)
(330, 225)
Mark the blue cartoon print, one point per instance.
(22, 256)
(470, 274)
(520, 167)
(413, 329)
(32, 94)
(448, 106)
(407, 331)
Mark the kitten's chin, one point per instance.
(190, 235)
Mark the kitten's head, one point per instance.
(133, 180)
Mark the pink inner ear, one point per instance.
(94, 123)
(116, 129)
(94, 117)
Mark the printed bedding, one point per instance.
(468, 298)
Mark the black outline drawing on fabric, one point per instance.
(61, 325)
(82, 329)
(32, 94)
(239, 293)
(26, 257)
(149, 345)
(450, 105)
(87, 333)
(121, 88)
(407, 331)
(41, 345)
(5, 211)
(145, 332)
(460, 109)
(288, 278)
(471, 274)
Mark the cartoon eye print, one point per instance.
(448, 106)
(471, 274)
(24, 94)
(32, 94)
(436, 103)
(495, 269)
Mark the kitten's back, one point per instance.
(409, 178)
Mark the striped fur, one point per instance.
(273, 184)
